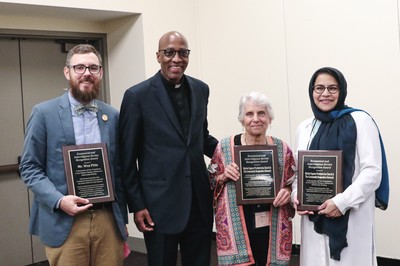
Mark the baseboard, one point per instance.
(381, 261)
(388, 262)
(138, 245)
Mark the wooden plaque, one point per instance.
(87, 171)
(319, 177)
(258, 167)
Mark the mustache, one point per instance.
(88, 78)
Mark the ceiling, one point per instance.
(12, 9)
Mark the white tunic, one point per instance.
(359, 198)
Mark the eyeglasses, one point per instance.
(170, 53)
(80, 69)
(332, 89)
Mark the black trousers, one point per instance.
(194, 243)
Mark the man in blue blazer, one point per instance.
(74, 231)
(164, 136)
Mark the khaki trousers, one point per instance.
(94, 240)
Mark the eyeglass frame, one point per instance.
(180, 51)
(86, 67)
(329, 88)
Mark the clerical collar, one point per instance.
(172, 85)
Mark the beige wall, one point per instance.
(272, 46)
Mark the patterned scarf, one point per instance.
(233, 245)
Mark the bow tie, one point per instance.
(82, 108)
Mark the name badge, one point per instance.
(262, 219)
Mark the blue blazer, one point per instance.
(42, 166)
(160, 164)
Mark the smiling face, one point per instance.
(172, 68)
(256, 119)
(84, 87)
(326, 101)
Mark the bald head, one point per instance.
(169, 37)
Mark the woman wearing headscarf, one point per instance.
(342, 231)
(243, 238)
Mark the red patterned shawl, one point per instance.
(233, 247)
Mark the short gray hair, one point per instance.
(257, 98)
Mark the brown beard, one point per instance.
(85, 96)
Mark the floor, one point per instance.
(140, 259)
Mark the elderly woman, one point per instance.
(342, 231)
(240, 240)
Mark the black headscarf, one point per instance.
(334, 133)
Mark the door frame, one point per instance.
(99, 40)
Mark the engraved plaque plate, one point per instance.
(87, 171)
(258, 167)
(319, 177)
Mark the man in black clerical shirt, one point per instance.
(164, 136)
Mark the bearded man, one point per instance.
(74, 231)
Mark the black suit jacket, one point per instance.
(159, 164)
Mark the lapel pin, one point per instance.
(105, 118)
